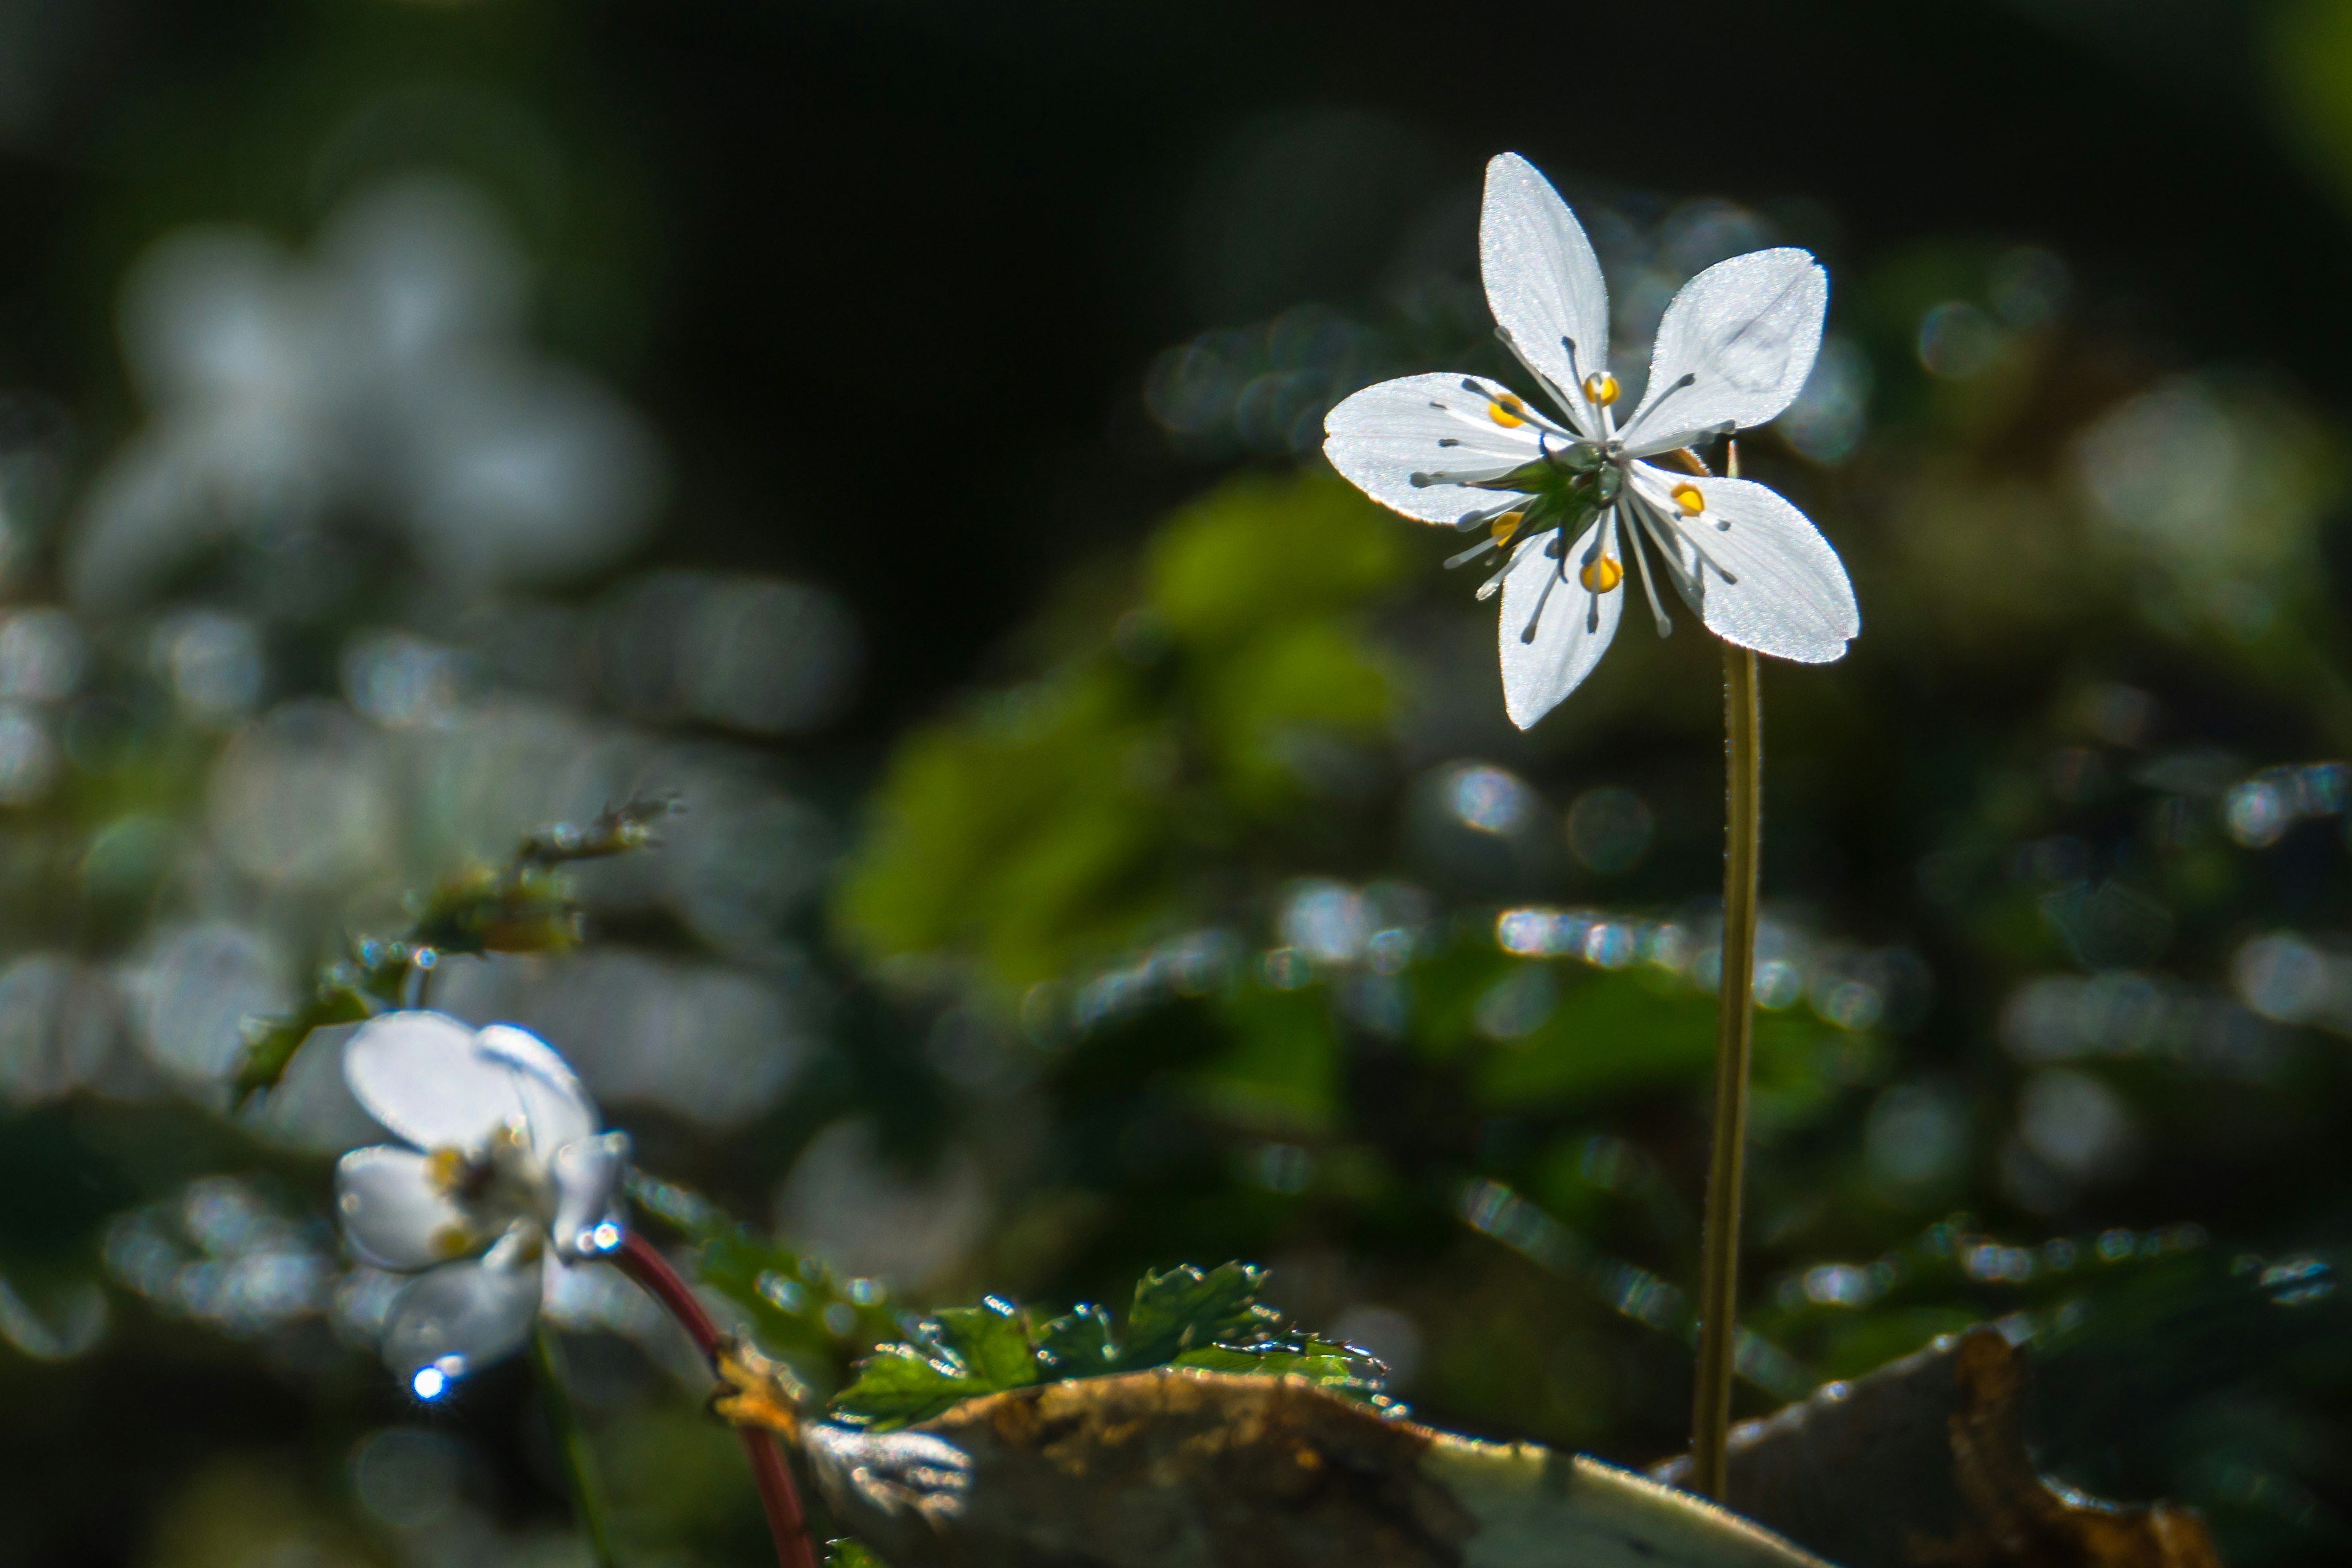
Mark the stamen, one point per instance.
(1528, 634)
(1601, 575)
(1486, 589)
(1686, 537)
(1687, 496)
(1468, 556)
(1662, 399)
(1545, 383)
(1601, 388)
(1662, 535)
(1649, 586)
(1449, 441)
(1455, 476)
(1508, 411)
(1478, 517)
(445, 1171)
(1506, 525)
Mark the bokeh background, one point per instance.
(891, 427)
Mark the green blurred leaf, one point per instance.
(1258, 552)
(525, 905)
(1063, 821)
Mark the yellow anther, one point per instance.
(1601, 387)
(446, 1170)
(1506, 525)
(1686, 496)
(452, 1241)
(1601, 574)
(1508, 411)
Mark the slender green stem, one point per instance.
(1719, 1293)
(571, 1442)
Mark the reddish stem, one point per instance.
(643, 1262)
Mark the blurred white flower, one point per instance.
(1734, 348)
(505, 1183)
(384, 377)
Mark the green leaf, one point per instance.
(900, 1384)
(1079, 1344)
(1342, 1369)
(963, 1353)
(524, 906)
(992, 1341)
(1185, 1309)
(270, 1046)
(1185, 1317)
(849, 1551)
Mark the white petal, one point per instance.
(476, 1312)
(1571, 634)
(586, 1174)
(559, 1108)
(422, 1075)
(1543, 282)
(1790, 598)
(1745, 331)
(393, 1214)
(1383, 435)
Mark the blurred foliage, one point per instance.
(525, 905)
(1116, 784)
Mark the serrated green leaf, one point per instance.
(1334, 1366)
(524, 906)
(1079, 1344)
(271, 1048)
(1185, 1317)
(900, 1384)
(1185, 1308)
(963, 1353)
(991, 1341)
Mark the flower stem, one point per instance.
(571, 1442)
(643, 1262)
(1743, 725)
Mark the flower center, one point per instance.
(504, 1181)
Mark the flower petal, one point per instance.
(1789, 597)
(559, 1108)
(1383, 435)
(422, 1075)
(393, 1214)
(474, 1312)
(1570, 635)
(586, 1173)
(1543, 282)
(1743, 332)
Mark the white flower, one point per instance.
(505, 1181)
(1733, 350)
